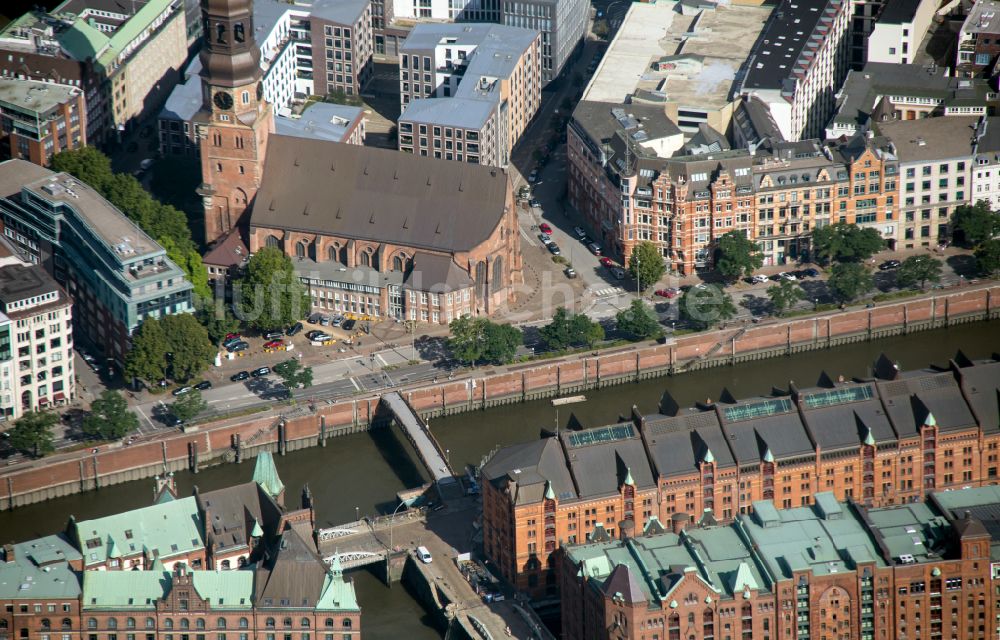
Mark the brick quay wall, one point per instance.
(311, 425)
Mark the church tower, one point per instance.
(235, 119)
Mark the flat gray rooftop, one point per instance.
(321, 120)
(40, 97)
(704, 51)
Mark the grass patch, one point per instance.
(895, 295)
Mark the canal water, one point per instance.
(361, 473)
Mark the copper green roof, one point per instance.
(124, 589)
(167, 529)
(225, 589)
(83, 41)
(39, 569)
(266, 474)
(338, 593)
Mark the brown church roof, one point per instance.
(350, 191)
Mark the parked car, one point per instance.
(533, 176)
(348, 325)
(759, 279)
(260, 371)
(203, 385)
(274, 344)
(295, 328)
(172, 421)
(570, 272)
(545, 228)
(888, 264)
(580, 233)
(786, 275)
(424, 555)
(607, 262)
(242, 375)
(535, 203)
(311, 335)
(810, 272)
(274, 334)
(595, 248)
(321, 337)
(314, 318)
(545, 238)
(231, 341)
(553, 248)
(324, 321)
(179, 391)
(618, 273)
(230, 336)
(236, 347)
(669, 292)
(337, 321)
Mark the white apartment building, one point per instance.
(899, 30)
(935, 165)
(798, 63)
(36, 341)
(986, 164)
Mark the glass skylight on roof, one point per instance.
(757, 410)
(602, 434)
(837, 396)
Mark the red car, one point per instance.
(666, 293)
(607, 262)
(274, 344)
(231, 336)
(545, 228)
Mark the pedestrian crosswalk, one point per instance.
(608, 291)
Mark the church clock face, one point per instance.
(223, 100)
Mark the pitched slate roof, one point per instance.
(843, 416)
(233, 514)
(294, 575)
(529, 466)
(622, 582)
(913, 396)
(981, 385)
(677, 444)
(437, 273)
(378, 194)
(601, 459)
(168, 529)
(754, 427)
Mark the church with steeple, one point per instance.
(235, 120)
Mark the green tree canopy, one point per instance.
(843, 242)
(175, 347)
(269, 295)
(475, 340)
(32, 433)
(918, 269)
(638, 321)
(188, 405)
(218, 320)
(700, 308)
(739, 256)
(109, 417)
(147, 359)
(849, 281)
(567, 329)
(975, 223)
(188, 341)
(164, 223)
(988, 257)
(294, 375)
(646, 264)
(784, 295)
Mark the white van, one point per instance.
(424, 555)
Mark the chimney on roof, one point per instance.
(8, 552)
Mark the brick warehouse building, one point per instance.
(388, 234)
(881, 441)
(229, 562)
(828, 571)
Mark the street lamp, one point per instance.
(638, 282)
(357, 514)
(392, 521)
(816, 304)
(447, 457)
